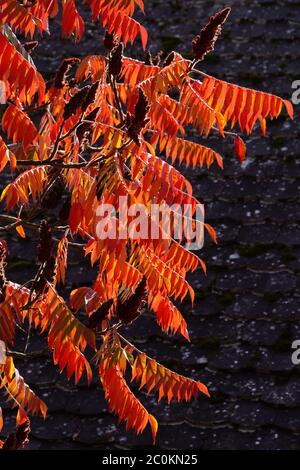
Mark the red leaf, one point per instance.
(76, 215)
(289, 108)
(240, 148)
(1, 420)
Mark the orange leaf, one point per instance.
(21, 416)
(154, 426)
(220, 123)
(122, 401)
(212, 232)
(62, 259)
(20, 231)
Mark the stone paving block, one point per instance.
(262, 332)
(251, 414)
(287, 395)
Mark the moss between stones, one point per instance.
(212, 59)
(210, 343)
(253, 249)
(272, 296)
(19, 264)
(226, 299)
(278, 141)
(251, 77)
(169, 43)
(284, 342)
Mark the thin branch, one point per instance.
(29, 225)
(110, 154)
(130, 344)
(229, 133)
(117, 98)
(35, 228)
(53, 163)
(115, 326)
(26, 355)
(57, 142)
(9, 227)
(70, 131)
(33, 163)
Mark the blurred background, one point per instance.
(247, 309)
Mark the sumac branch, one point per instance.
(105, 127)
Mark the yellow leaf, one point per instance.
(117, 140)
(4, 192)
